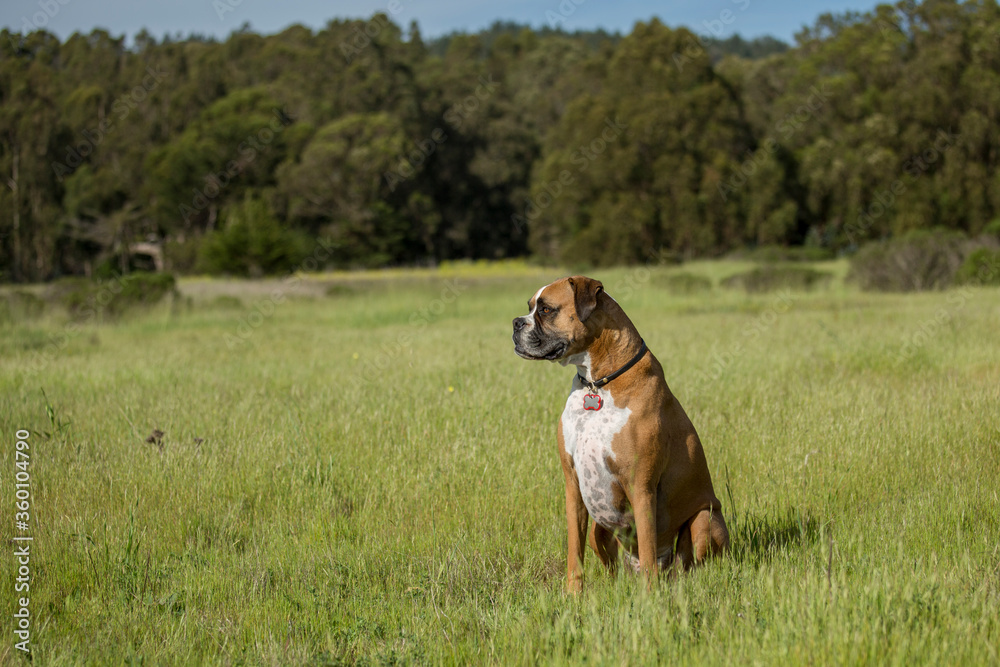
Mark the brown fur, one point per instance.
(659, 463)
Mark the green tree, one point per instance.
(345, 181)
(251, 242)
(638, 165)
(233, 145)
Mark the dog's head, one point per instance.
(561, 321)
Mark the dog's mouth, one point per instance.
(557, 352)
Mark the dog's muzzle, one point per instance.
(528, 344)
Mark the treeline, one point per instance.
(243, 156)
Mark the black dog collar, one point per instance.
(597, 384)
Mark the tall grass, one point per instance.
(372, 477)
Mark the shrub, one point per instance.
(920, 260)
(20, 305)
(86, 299)
(981, 267)
(252, 243)
(770, 278)
(132, 263)
(993, 229)
(142, 290)
(683, 283)
(72, 293)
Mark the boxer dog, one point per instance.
(631, 457)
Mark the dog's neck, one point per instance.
(582, 362)
(610, 350)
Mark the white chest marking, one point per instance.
(587, 436)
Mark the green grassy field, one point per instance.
(364, 472)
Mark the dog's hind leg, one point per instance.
(709, 535)
(683, 551)
(604, 544)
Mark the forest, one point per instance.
(238, 157)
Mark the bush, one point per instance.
(72, 293)
(252, 243)
(142, 290)
(770, 278)
(921, 260)
(683, 283)
(111, 267)
(87, 299)
(20, 305)
(993, 229)
(981, 267)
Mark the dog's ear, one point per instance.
(585, 291)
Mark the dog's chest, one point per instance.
(587, 436)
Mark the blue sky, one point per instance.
(750, 18)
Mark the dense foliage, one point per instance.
(926, 260)
(581, 148)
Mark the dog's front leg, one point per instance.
(644, 506)
(576, 525)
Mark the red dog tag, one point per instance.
(592, 402)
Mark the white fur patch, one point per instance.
(582, 362)
(531, 315)
(587, 436)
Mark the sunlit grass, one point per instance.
(321, 496)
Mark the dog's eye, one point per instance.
(545, 310)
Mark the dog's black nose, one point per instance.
(519, 324)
